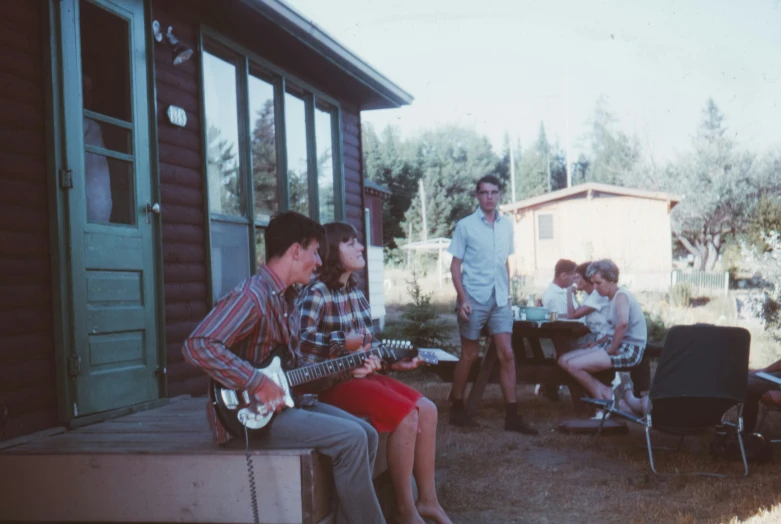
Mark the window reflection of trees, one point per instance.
(297, 170)
(264, 162)
(223, 167)
(325, 167)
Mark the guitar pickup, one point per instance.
(229, 398)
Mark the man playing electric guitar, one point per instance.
(242, 329)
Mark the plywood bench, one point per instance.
(161, 466)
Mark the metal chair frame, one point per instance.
(647, 421)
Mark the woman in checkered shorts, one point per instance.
(624, 344)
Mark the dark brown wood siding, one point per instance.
(182, 197)
(27, 365)
(352, 152)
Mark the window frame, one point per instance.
(539, 228)
(250, 63)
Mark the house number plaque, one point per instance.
(177, 116)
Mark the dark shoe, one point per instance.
(519, 426)
(461, 419)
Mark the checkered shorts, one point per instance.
(628, 355)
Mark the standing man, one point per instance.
(246, 325)
(481, 276)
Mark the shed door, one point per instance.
(111, 219)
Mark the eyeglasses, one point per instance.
(486, 193)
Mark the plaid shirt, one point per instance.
(241, 329)
(327, 316)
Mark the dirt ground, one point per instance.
(488, 475)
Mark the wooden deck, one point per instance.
(157, 466)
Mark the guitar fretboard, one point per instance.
(299, 376)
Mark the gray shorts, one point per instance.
(496, 319)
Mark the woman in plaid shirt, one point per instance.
(335, 320)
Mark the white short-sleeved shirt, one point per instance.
(483, 251)
(555, 299)
(597, 319)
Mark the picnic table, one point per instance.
(532, 365)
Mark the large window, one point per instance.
(271, 144)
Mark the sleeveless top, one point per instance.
(637, 331)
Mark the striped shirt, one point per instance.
(243, 328)
(327, 316)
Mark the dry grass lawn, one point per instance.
(488, 475)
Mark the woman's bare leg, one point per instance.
(566, 357)
(581, 368)
(425, 452)
(401, 457)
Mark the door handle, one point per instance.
(152, 209)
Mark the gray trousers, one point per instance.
(350, 442)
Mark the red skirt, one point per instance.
(383, 400)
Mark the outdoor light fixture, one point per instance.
(181, 53)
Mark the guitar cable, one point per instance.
(253, 494)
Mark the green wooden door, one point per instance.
(112, 218)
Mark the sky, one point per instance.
(504, 66)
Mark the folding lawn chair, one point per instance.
(702, 372)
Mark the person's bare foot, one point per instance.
(408, 516)
(638, 406)
(433, 511)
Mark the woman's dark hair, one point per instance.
(332, 269)
(287, 228)
(581, 270)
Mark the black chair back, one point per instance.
(702, 372)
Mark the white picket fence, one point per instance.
(706, 283)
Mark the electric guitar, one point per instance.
(240, 412)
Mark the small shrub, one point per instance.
(681, 294)
(657, 329)
(420, 323)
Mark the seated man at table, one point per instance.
(556, 297)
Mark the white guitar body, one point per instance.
(241, 412)
(256, 415)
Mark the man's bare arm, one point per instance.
(455, 273)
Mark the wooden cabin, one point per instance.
(592, 221)
(144, 145)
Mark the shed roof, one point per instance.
(388, 94)
(372, 186)
(591, 187)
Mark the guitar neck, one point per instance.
(329, 368)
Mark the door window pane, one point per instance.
(105, 62)
(295, 129)
(107, 122)
(325, 164)
(264, 148)
(222, 137)
(230, 256)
